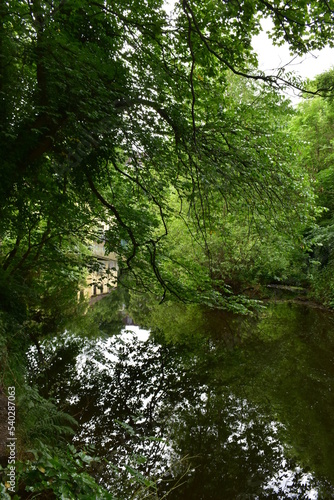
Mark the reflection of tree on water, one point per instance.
(238, 452)
(189, 413)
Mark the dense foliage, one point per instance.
(109, 110)
(160, 126)
(313, 127)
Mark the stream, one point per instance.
(215, 407)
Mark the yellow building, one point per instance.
(101, 281)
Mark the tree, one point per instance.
(115, 113)
(313, 127)
(108, 107)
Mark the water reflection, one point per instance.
(243, 410)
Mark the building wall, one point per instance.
(103, 281)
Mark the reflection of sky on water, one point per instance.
(147, 411)
(104, 346)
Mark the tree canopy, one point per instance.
(159, 126)
(119, 112)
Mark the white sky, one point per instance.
(271, 57)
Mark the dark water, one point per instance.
(225, 408)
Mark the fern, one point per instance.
(41, 420)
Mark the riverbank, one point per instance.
(275, 293)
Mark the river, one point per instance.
(207, 406)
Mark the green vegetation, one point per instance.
(313, 126)
(161, 128)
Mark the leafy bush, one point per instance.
(55, 473)
(322, 284)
